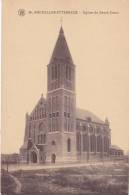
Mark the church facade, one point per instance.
(57, 131)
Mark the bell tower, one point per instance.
(61, 103)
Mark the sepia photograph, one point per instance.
(65, 97)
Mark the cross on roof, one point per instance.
(61, 21)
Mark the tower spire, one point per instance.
(61, 28)
(61, 50)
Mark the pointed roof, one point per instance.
(61, 50)
(41, 101)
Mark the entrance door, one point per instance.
(34, 157)
(53, 158)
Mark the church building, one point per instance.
(56, 130)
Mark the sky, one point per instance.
(98, 42)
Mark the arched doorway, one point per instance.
(53, 158)
(34, 157)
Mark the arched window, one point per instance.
(56, 72)
(42, 113)
(52, 72)
(38, 139)
(106, 144)
(50, 127)
(69, 145)
(41, 126)
(56, 124)
(53, 124)
(67, 71)
(78, 142)
(68, 124)
(99, 143)
(49, 105)
(44, 138)
(41, 137)
(85, 142)
(29, 130)
(92, 143)
(34, 133)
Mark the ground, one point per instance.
(94, 179)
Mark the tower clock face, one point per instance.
(42, 126)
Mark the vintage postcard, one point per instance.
(65, 97)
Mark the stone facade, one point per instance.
(56, 131)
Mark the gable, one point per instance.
(39, 110)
